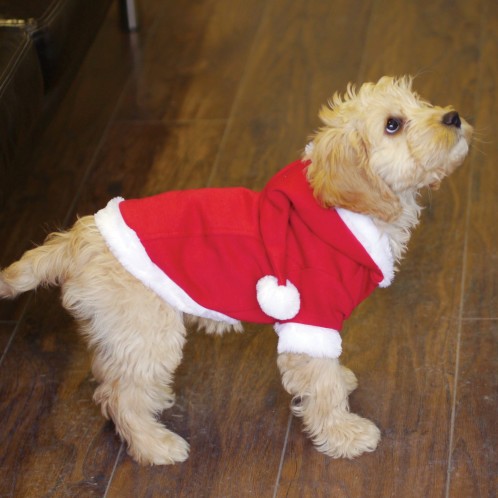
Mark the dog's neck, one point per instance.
(399, 231)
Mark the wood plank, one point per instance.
(481, 283)
(306, 50)
(432, 41)
(474, 462)
(191, 67)
(401, 342)
(144, 158)
(53, 438)
(405, 388)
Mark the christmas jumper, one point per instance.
(275, 256)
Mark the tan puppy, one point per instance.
(378, 146)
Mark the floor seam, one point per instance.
(282, 456)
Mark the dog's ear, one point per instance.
(340, 175)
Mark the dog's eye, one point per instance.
(393, 125)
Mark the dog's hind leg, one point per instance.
(320, 387)
(135, 370)
(137, 341)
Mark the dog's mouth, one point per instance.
(456, 155)
(461, 148)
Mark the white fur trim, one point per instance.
(129, 251)
(278, 301)
(318, 342)
(375, 243)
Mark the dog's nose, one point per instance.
(452, 119)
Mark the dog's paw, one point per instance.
(347, 437)
(166, 448)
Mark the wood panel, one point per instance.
(481, 283)
(305, 51)
(474, 458)
(436, 41)
(402, 342)
(474, 463)
(143, 158)
(192, 66)
(61, 444)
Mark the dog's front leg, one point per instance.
(321, 387)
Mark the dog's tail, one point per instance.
(45, 265)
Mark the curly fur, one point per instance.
(137, 339)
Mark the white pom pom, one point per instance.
(278, 301)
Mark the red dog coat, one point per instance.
(233, 254)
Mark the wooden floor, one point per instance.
(225, 92)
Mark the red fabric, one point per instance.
(217, 243)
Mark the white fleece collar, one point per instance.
(373, 240)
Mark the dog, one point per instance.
(318, 239)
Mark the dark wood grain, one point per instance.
(297, 62)
(474, 458)
(192, 66)
(53, 437)
(144, 158)
(481, 278)
(222, 93)
(474, 462)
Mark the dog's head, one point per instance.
(381, 141)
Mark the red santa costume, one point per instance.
(275, 256)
